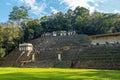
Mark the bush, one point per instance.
(2, 52)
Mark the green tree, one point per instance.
(68, 18)
(80, 19)
(18, 14)
(116, 26)
(44, 23)
(36, 28)
(31, 29)
(9, 38)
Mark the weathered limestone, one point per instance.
(54, 33)
(61, 33)
(71, 33)
(113, 38)
(26, 49)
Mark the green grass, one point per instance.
(57, 74)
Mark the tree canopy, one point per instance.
(18, 14)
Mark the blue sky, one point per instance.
(46, 7)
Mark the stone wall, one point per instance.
(59, 33)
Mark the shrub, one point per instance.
(2, 52)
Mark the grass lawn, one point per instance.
(57, 74)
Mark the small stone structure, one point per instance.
(71, 33)
(26, 49)
(47, 34)
(61, 33)
(59, 57)
(113, 38)
(54, 33)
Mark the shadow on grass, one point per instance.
(59, 75)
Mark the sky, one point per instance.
(41, 8)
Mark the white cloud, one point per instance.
(53, 10)
(82, 3)
(116, 11)
(96, 5)
(37, 8)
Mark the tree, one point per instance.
(44, 23)
(18, 14)
(35, 28)
(32, 29)
(81, 11)
(54, 22)
(80, 19)
(116, 26)
(9, 38)
(68, 18)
